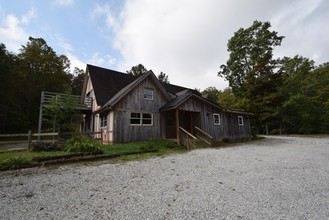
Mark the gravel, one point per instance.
(275, 178)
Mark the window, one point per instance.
(148, 94)
(240, 119)
(216, 119)
(147, 119)
(103, 120)
(137, 118)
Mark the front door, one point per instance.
(170, 125)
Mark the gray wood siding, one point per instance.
(206, 116)
(135, 102)
(229, 126)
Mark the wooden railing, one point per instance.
(47, 98)
(186, 139)
(26, 139)
(199, 133)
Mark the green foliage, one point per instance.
(14, 162)
(137, 70)
(163, 77)
(211, 93)
(61, 112)
(288, 95)
(83, 145)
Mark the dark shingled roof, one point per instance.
(107, 83)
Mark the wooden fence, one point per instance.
(28, 138)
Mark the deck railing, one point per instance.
(47, 98)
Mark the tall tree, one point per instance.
(137, 70)
(163, 77)
(42, 69)
(251, 69)
(77, 81)
(11, 111)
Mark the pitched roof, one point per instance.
(124, 91)
(106, 83)
(182, 96)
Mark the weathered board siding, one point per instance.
(134, 102)
(234, 130)
(229, 126)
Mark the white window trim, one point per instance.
(216, 114)
(240, 119)
(141, 118)
(152, 94)
(147, 119)
(103, 119)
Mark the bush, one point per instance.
(83, 145)
(14, 162)
(43, 146)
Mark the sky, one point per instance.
(186, 39)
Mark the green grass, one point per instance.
(14, 159)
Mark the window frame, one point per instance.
(135, 118)
(103, 122)
(141, 119)
(214, 118)
(240, 120)
(148, 94)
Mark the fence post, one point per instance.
(29, 140)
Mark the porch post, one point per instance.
(177, 126)
(40, 114)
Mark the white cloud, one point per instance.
(63, 2)
(106, 60)
(13, 31)
(187, 39)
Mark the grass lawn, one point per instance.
(15, 159)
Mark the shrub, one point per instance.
(43, 146)
(83, 145)
(14, 162)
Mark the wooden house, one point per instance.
(127, 108)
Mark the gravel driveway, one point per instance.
(273, 178)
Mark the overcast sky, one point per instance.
(186, 39)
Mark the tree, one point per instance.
(251, 57)
(211, 93)
(41, 69)
(137, 70)
(252, 72)
(163, 77)
(77, 81)
(11, 84)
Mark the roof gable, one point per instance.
(124, 91)
(107, 83)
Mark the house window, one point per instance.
(148, 94)
(147, 119)
(216, 119)
(103, 120)
(240, 119)
(137, 118)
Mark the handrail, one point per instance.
(186, 138)
(204, 135)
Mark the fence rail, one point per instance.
(29, 138)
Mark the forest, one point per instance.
(287, 95)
